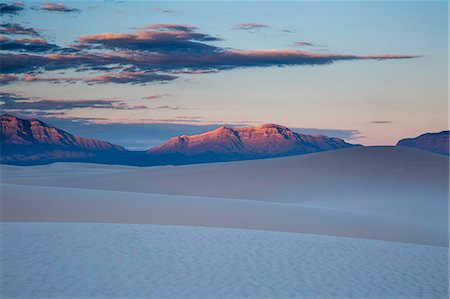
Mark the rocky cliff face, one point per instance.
(433, 142)
(33, 139)
(264, 141)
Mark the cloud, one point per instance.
(27, 45)
(381, 122)
(171, 27)
(11, 28)
(161, 10)
(50, 6)
(157, 37)
(156, 53)
(249, 26)
(301, 44)
(131, 77)
(166, 107)
(155, 97)
(172, 62)
(123, 77)
(12, 102)
(11, 8)
(8, 78)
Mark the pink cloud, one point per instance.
(155, 97)
(50, 6)
(32, 41)
(122, 77)
(10, 28)
(7, 78)
(161, 37)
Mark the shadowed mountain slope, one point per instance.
(432, 142)
(33, 140)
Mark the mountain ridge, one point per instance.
(267, 140)
(433, 142)
(33, 142)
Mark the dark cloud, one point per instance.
(50, 6)
(11, 28)
(381, 122)
(27, 45)
(13, 102)
(11, 8)
(156, 53)
(158, 37)
(249, 26)
(172, 27)
(171, 62)
(301, 44)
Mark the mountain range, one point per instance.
(432, 142)
(31, 142)
(263, 141)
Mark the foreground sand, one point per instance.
(75, 260)
(384, 193)
(122, 242)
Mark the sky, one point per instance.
(139, 72)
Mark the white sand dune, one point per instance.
(386, 193)
(57, 260)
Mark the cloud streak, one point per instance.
(50, 6)
(302, 44)
(381, 122)
(155, 97)
(12, 28)
(249, 26)
(226, 59)
(123, 77)
(13, 102)
(161, 10)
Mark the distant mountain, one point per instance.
(30, 142)
(264, 141)
(33, 140)
(433, 142)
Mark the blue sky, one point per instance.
(378, 100)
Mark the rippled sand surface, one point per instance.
(142, 261)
